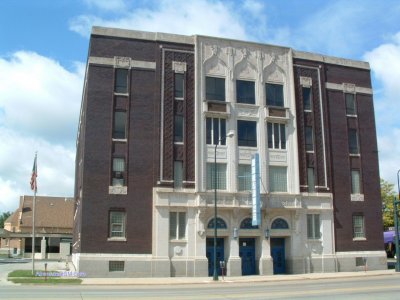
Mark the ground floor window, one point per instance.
(313, 226)
(177, 225)
(116, 266)
(358, 226)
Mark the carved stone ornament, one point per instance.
(179, 67)
(118, 190)
(305, 81)
(122, 62)
(349, 88)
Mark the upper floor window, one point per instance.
(247, 133)
(119, 131)
(277, 179)
(215, 130)
(121, 80)
(311, 180)
(178, 174)
(353, 141)
(245, 92)
(244, 177)
(118, 171)
(215, 88)
(117, 224)
(178, 128)
(179, 85)
(355, 182)
(350, 104)
(309, 138)
(276, 136)
(220, 180)
(274, 94)
(307, 98)
(177, 225)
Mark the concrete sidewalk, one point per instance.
(236, 279)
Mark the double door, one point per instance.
(247, 252)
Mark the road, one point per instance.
(372, 287)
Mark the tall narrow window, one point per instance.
(119, 125)
(274, 94)
(355, 182)
(353, 141)
(220, 180)
(277, 179)
(247, 133)
(309, 138)
(121, 81)
(178, 129)
(215, 130)
(178, 174)
(276, 136)
(350, 104)
(179, 85)
(244, 177)
(245, 92)
(306, 98)
(215, 88)
(313, 226)
(177, 225)
(358, 226)
(311, 180)
(117, 224)
(118, 174)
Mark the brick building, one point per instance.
(156, 109)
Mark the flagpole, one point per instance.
(34, 188)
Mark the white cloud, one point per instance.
(385, 65)
(39, 105)
(110, 5)
(213, 18)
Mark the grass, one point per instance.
(25, 276)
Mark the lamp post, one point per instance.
(230, 134)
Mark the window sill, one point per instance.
(355, 155)
(183, 241)
(120, 140)
(179, 98)
(121, 94)
(351, 116)
(116, 239)
(316, 240)
(359, 239)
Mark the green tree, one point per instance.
(387, 194)
(3, 217)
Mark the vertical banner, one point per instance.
(255, 190)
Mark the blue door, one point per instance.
(210, 255)
(247, 252)
(278, 255)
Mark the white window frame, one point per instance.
(313, 226)
(177, 229)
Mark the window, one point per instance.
(119, 125)
(116, 266)
(276, 136)
(216, 129)
(121, 81)
(274, 94)
(221, 176)
(277, 179)
(248, 224)
(215, 88)
(178, 129)
(279, 223)
(178, 174)
(306, 98)
(118, 174)
(313, 226)
(309, 138)
(350, 104)
(220, 224)
(358, 226)
(355, 182)
(245, 177)
(245, 92)
(310, 180)
(117, 224)
(177, 225)
(247, 133)
(179, 85)
(353, 142)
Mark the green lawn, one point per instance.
(25, 276)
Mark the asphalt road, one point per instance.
(377, 287)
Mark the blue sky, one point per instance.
(43, 51)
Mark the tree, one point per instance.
(387, 194)
(3, 217)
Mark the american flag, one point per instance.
(34, 175)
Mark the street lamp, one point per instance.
(230, 134)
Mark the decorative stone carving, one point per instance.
(118, 190)
(247, 112)
(122, 62)
(179, 67)
(305, 81)
(349, 88)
